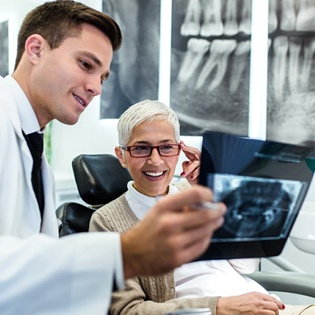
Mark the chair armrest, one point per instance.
(74, 217)
(286, 281)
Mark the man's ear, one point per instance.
(34, 47)
(120, 157)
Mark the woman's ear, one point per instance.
(34, 47)
(120, 156)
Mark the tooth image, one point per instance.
(306, 16)
(240, 61)
(212, 24)
(272, 19)
(295, 44)
(219, 53)
(196, 49)
(231, 25)
(280, 46)
(245, 23)
(288, 17)
(308, 53)
(191, 25)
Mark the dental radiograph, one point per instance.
(257, 208)
(210, 64)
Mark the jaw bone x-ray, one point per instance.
(256, 207)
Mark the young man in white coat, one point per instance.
(64, 54)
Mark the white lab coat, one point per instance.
(40, 274)
(19, 212)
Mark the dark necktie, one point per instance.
(35, 143)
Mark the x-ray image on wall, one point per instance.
(135, 66)
(210, 64)
(256, 207)
(4, 48)
(291, 71)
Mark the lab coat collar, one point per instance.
(29, 122)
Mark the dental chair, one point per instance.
(101, 179)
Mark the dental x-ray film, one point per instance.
(262, 183)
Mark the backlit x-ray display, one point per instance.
(263, 184)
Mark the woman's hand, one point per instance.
(191, 168)
(248, 304)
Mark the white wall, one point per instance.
(14, 12)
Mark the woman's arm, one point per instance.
(133, 299)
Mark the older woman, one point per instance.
(149, 146)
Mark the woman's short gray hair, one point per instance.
(145, 111)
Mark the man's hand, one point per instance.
(171, 234)
(248, 304)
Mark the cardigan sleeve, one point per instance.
(97, 223)
(133, 301)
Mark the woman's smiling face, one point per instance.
(151, 174)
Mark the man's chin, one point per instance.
(69, 120)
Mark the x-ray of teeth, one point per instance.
(214, 94)
(135, 66)
(291, 84)
(255, 207)
(210, 64)
(4, 48)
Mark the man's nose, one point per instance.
(94, 86)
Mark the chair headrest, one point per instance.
(99, 177)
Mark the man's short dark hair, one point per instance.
(57, 20)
